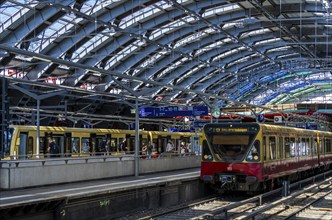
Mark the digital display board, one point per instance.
(173, 111)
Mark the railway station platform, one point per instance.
(17, 174)
(102, 199)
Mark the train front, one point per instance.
(231, 156)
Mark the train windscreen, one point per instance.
(230, 144)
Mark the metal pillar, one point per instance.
(38, 129)
(136, 138)
(211, 111)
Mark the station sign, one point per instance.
(173, 111)
(199, 124)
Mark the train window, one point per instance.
(328, 146)
(303, 147)
(287, 147)
(308, 146)
(272, 145)
(232, 147)
(321, 145)
(113, 144)
(293, 148)
(86, 146)
(75, 145)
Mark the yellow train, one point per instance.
(255, 157)
(88, 141)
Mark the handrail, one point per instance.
(86, 159)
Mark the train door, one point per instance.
(321, 149)
(30, 148)
(99, 148)
(59, 141)
(43, 146)
(162, 143)
(108, 143)
(92, 143)
(280, 150)
(131, 144)
(272, 145)
(316, 148)
(67, 145)
(22, 151)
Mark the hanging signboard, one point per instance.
(173, 111)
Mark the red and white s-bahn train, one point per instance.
(255, 157)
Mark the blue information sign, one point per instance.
(172, 111)
(199, 124)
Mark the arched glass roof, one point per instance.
(182, 51)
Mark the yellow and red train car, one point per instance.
(254, 157)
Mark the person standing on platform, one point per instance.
(53, 149)
(122, 146)
(149, 150)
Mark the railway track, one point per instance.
(309, 201)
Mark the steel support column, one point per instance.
(136, 138)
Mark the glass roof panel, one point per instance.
(267, 41)
(255, 32)
(11, 12)
(143, 13)
(197, 36)
(220, 10)
(88, 46)
(285, 48)
(212, 46)
(166, 28)
(122, 54)
(55, 30)
(242, 59)
(92, 6)
(228, 53)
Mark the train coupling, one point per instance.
(227, 179)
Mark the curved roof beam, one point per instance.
(65, 44)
